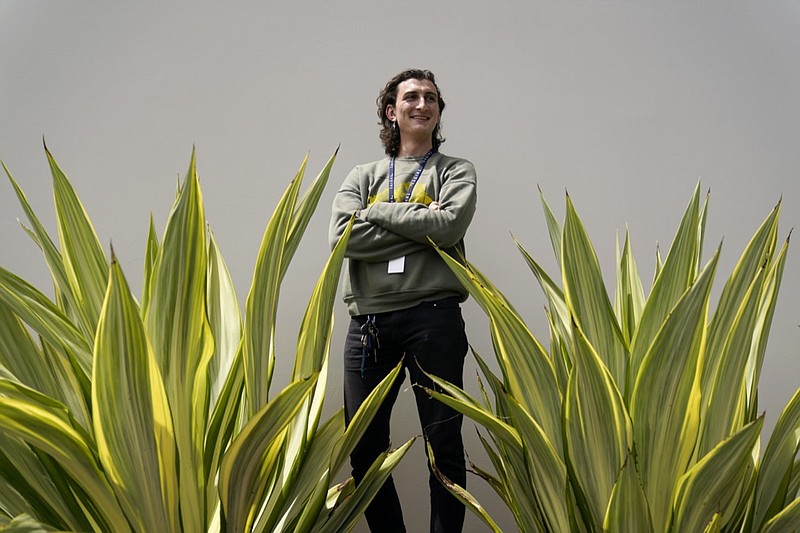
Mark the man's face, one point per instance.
(416, 109)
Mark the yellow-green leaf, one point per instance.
(132, 419)
(546, 470)
(41, 427)
(243, 466)
(629, 299)
(224, 319)
(362, 418)
(786, 520)
(348, 512)
(673, 278)
(558, 317)
(258, 340)
(586, 296)
(709, 487)
(627, 507)
(43, 368)
(303, 503)
(463, 403)
(774, 476)
(665, 407)
(223, 423)
(306, 207)
(177, 326)
(553, 227)
(85, 262)
(52, 256)
(726, 401)
(599, 436)
(757, 254)
(48, 320)
(527, 369)
(461, 493)
(150, 256)
(26, 486)
(769, 298)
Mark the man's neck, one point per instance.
(413, 148)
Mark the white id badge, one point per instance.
(397, 265)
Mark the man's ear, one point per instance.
(390, 114)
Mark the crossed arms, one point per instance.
(384, 231)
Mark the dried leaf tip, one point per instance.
(113, 254)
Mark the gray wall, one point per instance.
(626, 105)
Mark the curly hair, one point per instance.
(390, 136)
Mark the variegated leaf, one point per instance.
(774, 476)
(41, 423)
(627, 508)
(673, 278)
(599, 436)
(665, 407)
(85, 263)
(710, 486)
(461, 493)
(527, 369)
(586, 296)
(349, 511)
(132, 418)
(246, 462)
(261, 306)
(176, 323)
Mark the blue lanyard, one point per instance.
(414, 180)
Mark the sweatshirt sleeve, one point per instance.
(368, 241)
(445, 226)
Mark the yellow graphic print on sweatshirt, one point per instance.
(419, 195)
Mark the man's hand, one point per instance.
(433, 206)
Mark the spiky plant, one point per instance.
(155, 414)
(643, 415)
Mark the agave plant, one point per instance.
(643, 415)
(155, 414)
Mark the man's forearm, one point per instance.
(420, 223)
(371, 242)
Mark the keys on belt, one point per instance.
(369, 341)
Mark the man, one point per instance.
(402, 298)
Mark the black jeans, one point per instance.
(431, 337)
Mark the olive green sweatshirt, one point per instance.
(402, 231)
